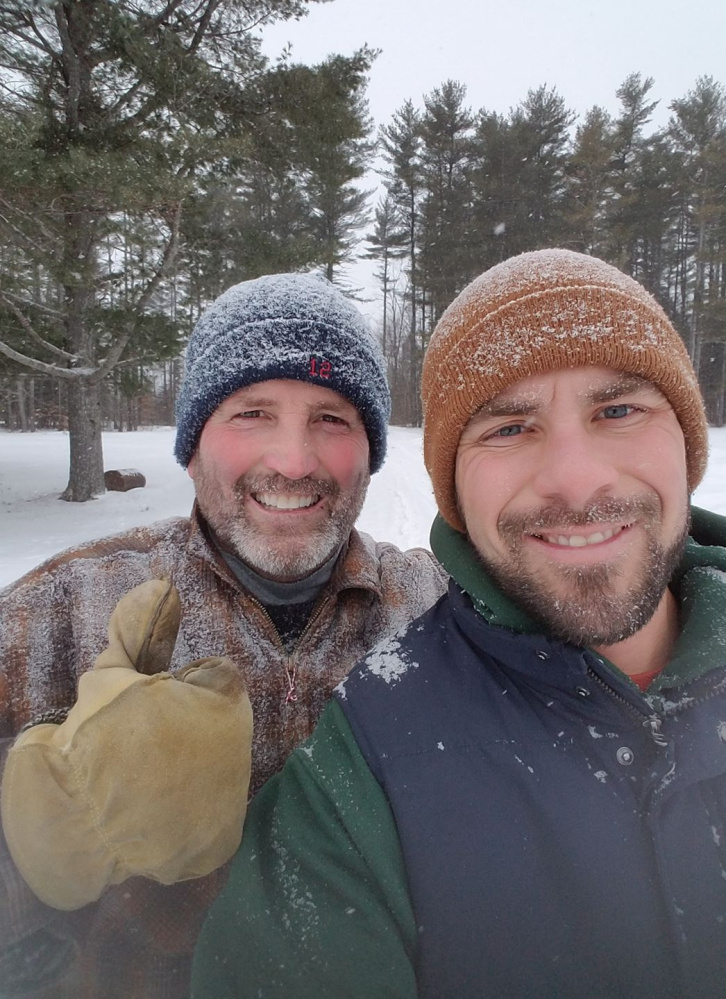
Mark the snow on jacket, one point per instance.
(137, 941)
(485, 812)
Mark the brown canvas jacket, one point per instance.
(136, 942)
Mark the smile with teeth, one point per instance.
(285, 501)
(582, 540)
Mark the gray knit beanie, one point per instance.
(282, 326)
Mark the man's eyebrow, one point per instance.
(250, 401)
(335, 405)
(510, 406)
(620, 387)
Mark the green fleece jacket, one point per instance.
(321, 862)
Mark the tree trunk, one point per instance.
(31, 405)
(22, 408)
(86, 451)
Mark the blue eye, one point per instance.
(616, 412)
(513, 430)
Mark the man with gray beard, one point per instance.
(281, 420)
(523, 794)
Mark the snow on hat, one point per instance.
(536, 313)
(282, 326)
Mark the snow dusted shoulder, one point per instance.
(388, 661)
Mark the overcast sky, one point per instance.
(499, 50)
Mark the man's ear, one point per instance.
(192, 466)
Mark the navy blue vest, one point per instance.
(561, 839)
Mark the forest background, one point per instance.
(151, 155)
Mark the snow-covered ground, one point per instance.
(34, 524)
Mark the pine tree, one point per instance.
(446, 134)
(285, 197)
(494, 175)
(628, 145)
(116, 108)
(332, 151)
(541, 127)
(386, 244)
(519, 179)
(589, 171)
(401, 147)
(697, 129)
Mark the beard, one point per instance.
(289, 553)
(591, 605)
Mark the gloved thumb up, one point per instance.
(148, 775)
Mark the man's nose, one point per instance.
(574, 467)
(292, 453)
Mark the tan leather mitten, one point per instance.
(148, 775)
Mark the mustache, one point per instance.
(608, 510)
(280, 485)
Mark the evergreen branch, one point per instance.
(129, 361)
(114, 355)
(22, 236)
(153, 102)
(34, 43)
(42, 40)
(163, 15)
(36, 39)
(62, 355)
(139, 117)
(70, 61)
(55, 313)
(167, 259)
(124, 99)
(203, 26)
(16, 25)
(111, 359)
(47, 369)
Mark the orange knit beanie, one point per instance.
(536, 313)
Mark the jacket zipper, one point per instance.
(290, 665)
(291, 673)
(653, 721)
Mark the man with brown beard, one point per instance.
(523, 794)
(281, 419)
